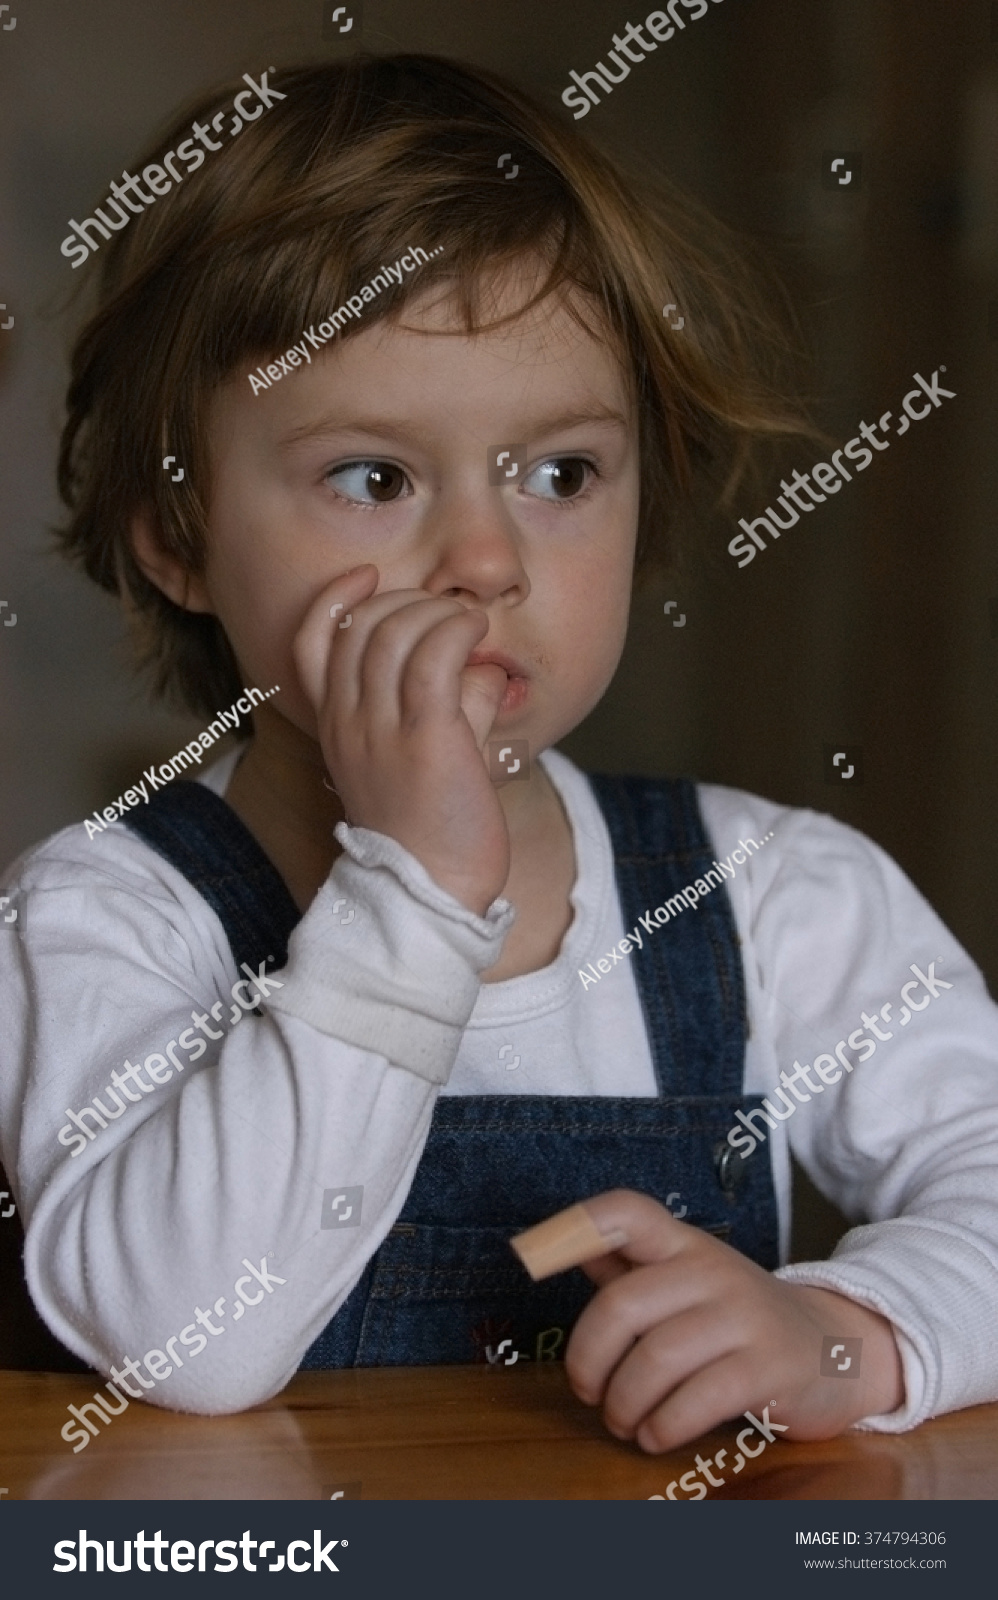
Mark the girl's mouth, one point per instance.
(517, 690)
(517, 678)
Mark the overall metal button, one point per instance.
(729, 1166)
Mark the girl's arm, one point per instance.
(684, 1331)
(216, 1177)
(857, 982)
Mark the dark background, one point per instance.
(869, 624)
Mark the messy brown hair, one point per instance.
(359, 159)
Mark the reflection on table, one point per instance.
(448, 1433)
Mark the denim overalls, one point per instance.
(445, 1285)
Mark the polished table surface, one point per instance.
(447, 1433)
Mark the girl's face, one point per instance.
(380, 451)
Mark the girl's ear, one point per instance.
(167, 572)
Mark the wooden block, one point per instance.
(562, 1241)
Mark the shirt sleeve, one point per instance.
(864, 1000)
(186, 1215)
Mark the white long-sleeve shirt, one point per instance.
(205, 1194)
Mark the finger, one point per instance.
(417, 629)
(346, 652)
(313, 641)
(350, 680)
(714, 1394)
(432, 680)
(606, 1268)
(481, 690)
(624, 1311)
(634, 1224)
(669, 1353)
(563, 1241)
(649, 1230)
(437, 682)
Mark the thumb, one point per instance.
(604, 1269)
(620, 1226)
(481, 692)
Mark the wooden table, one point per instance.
(446, 1433)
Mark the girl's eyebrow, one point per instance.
(348, 422)
(401, 427)
(576, 419)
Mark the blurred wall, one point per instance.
(868, 624)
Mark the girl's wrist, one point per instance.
(878, 1387)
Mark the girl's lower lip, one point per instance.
(515, 696)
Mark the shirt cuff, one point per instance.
(860, 1286)
(386, 960)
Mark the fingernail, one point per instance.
(562, 1241)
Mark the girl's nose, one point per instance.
(478, 556)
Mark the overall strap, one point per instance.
(689, 973)
(199, 833)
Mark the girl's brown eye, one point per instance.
(561, 479)
(567, 478)
(369, 482)
(385, 482)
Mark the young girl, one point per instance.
(294, 1048)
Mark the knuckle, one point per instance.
(655, 1363)
(623, 1299)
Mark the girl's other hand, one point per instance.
(686, 1333)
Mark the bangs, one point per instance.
(360, 163)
